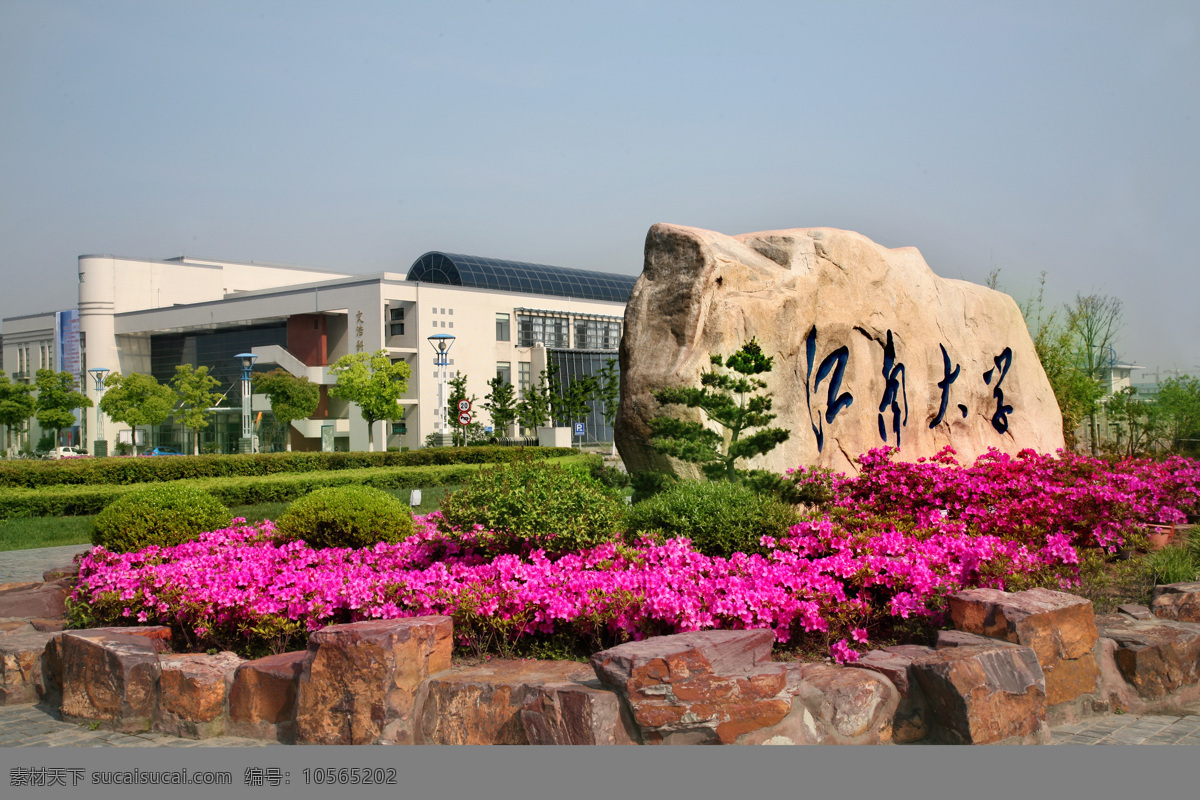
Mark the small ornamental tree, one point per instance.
(16, 407)
(57, 399)
(608, 393)
(501, 404)
(473, 431)
(194, 389)
(374, 383)
(291, 397)
(136, 399)
(533, 411)
(729, 395)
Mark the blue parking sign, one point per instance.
(579, 429)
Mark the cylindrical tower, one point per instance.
(97, 298)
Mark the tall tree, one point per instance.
(17, 405)
(1178, 403)
(136, 399)
(57, 399)
(291, 397)
(729, 395)
(608, 394)
(472, 431)
(374, 383)
(533, 408)
(194, 388)
(1094, 321)
(501, 404)
(1137, 422)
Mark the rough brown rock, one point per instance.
(1135, 610)
(911, 720)
(1155, 657)
(262, 699)
(14, 625)
(963, 639)
(361, 683)
(192, 694)
(64, 571)
(21, 664)
(46, 600)
(984, 694)
(159, 636)
(1060, 627)
(706, 687)
(840, 315)
(856, 703)
(1177, 601)
(111, 678)
(483, 704)
(576, 713)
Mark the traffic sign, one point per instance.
(464, 418)
(464, 405)
(579, 429)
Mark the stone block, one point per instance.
(910, 723)
(262, 698)
(1059, 627)
(111, 678)
(576, 713)
(21, 665)
(1135, 610)
(47, 600)
(15, 625)
(1156, 657)
(1177, 601)
(70, 571)
(947, 639)
(706, 687)
(360, 685)
(483, 704)
(858, 706)
(192, 694)
(984, 694)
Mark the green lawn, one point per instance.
(29, 532)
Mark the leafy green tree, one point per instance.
(533, 410)
(1178, 404)
(291, 397)
(501, 404)
(729, 395)
(17, 405)
(136, 399)
(194, 389)
(608, 394)
(374, 383)
(1137, 422)
(57, 399)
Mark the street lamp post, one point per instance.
(247, 443)
(99, 445)
(441, 343)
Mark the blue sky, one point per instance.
(1021, 136)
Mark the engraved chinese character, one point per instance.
(835, 362)
(893, 373)
(1002, 362)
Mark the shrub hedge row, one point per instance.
(129, 470)
(66, 500)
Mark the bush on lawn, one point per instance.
(345, 516)
(163, 515)
(529, 504)
(720, 517)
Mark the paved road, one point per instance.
(35, 726)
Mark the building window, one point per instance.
(523, 368)
(451, 323)
(397, 329)
(504, 371)
(550, 331)
(397, 314)
(502, 328)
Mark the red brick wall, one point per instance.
(307, 340)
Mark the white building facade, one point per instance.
(508, 318)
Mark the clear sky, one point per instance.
(1026, 137)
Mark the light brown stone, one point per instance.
(858, 703)
(1059, 627)
(21, 664)
(983, 694)
(1177, 601)
(1155, 657)
(262, 699)
(360, 685)
(14, 625)
(483, 704)
(691, 688)
(703, 293)
(111, 678)
(576, 713)
(46, 600)
(910, 723)
(192, 694)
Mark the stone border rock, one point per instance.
(1015, 663)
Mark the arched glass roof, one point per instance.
(518, 276)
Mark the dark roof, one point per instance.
(518, 276)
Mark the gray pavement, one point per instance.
(36, 726)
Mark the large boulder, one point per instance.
(21, 666)
(109, 678)
(192, 694)
(871, 347)
(262, 699)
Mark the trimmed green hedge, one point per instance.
(69, 501)
(119, 470)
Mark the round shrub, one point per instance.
(530, 503)
(345, 516)
(720, 517)
(164, 514)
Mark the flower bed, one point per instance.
(894, 542)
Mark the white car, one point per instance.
(66, 452)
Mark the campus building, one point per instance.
(508, 318)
